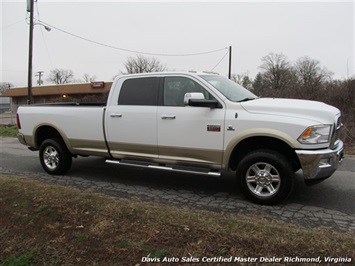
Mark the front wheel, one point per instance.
(266, 177)
(55, 157)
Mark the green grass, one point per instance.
(20, 260)
(128, 244)
(161, 253)
(8, 131)
(82, 237)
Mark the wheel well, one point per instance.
(257, 143)
(46, 132)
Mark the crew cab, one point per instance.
(192, 123)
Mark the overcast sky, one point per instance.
(322, 30)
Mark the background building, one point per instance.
(85, 92)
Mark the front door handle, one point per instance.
(115, 115)
(168, 117)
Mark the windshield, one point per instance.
(233, 91)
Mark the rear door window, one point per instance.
(139, 91)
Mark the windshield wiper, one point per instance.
(247, 99)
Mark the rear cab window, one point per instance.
(139, 91)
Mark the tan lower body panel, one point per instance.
(212, 158)
(88, 147)
(125, 150)
(167, 155)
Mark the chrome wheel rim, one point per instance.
(263, 180)
(51, 157)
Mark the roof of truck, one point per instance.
(171, 73)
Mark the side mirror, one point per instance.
(193, 96)
(198, 99)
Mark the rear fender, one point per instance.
(45, 131)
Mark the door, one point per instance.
(131, 124)
(186, 134)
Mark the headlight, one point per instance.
(315, 135)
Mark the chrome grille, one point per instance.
(336, 134)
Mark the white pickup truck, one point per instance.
(192, 123)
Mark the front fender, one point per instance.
(256, 132)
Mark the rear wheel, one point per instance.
(266, 177)
(55, 157)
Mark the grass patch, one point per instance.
(161, 253)
(20, 260)
(82, 237)
(5, 199)
(66, 226)
(8, 131)
(128, 244)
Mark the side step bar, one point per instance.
(201, 172)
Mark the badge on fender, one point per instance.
(213, 128)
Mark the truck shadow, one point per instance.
(95, 169)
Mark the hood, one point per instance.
(311, 110)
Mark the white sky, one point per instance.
(322, 30)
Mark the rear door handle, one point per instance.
(168, 117)
(115, 115)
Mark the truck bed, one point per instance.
(80, 125)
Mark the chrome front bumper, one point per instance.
(320, 164)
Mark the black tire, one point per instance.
(54, 156)
(266, 177)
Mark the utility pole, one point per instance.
(230, 63)
(57, 78)
(30, 5)
(39, 75)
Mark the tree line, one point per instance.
(138, 64)
(304, 79)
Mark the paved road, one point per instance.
(330, 203)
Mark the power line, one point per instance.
(220, 61)
(129, 50)
(12, 24)
(44, 40)
(7, 70)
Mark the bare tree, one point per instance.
(276, 71)
(87, 78)
(141, 64)
(5, 86)
(61, 76)
(310, 74)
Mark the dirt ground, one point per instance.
(43, 224)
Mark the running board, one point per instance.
(165, 168)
